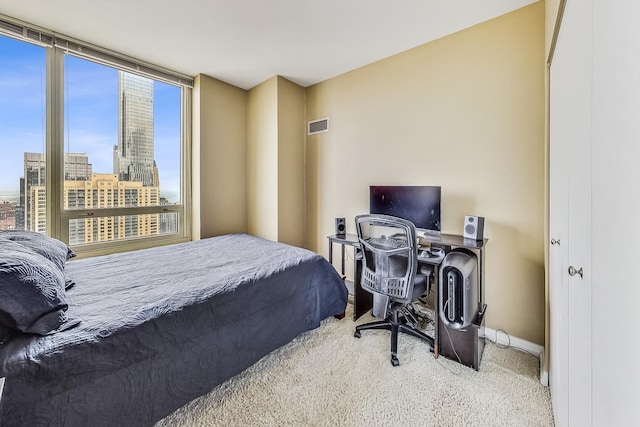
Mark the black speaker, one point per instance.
(473, 227)
(341, 227)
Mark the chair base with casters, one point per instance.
(392, 322)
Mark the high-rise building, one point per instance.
(106, 191)
(101, 191)
(37, 209)
(34, 175)
(77, 167)
(168, 220)
(133, 157)
(29, 217)
(7, 215)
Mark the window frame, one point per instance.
(58, 218)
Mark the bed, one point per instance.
(159, 327)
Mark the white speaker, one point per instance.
(473, 227)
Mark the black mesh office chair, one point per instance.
(389, 254)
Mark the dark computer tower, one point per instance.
(460, 310)
(458, 293)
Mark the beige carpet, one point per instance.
(326, 377)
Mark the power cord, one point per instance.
(452, 347)
(425, 316)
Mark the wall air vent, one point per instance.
(317, 126)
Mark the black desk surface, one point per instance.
(439, 239)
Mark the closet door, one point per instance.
(570, 218)
(615, 207)
(558, 251)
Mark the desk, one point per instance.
(363, 300)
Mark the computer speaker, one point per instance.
(473, 227)
(341, 227)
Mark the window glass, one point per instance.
(119, 155)
(22, 135)
(122, 150)
(120, 227)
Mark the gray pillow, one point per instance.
(54, 250)
(32, 290)
(5, 332)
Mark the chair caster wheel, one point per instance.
(395, 361)
(357, 334)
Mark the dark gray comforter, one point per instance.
(162, 326)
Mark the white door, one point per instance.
(558, 251)
(615, 209)
(570, 218)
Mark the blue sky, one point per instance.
(91, 115)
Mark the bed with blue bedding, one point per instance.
(161, 326)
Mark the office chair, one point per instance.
(389, 256)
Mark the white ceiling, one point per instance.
(245, 42)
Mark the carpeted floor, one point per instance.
(326, 377)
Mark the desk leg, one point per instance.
(436, 313)
(362, 300)
(481, 284)
(330, 252)
(342, 270)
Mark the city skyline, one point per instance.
(91, 116)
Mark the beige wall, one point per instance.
(465, 112)
(291, 161)
(552, 9)
(219, 157)
(262, 159)
(275, 161)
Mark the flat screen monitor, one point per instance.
(419, 204)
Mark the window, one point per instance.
(122, 150)
(22, 135)
(115, 151)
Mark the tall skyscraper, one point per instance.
(133, 156)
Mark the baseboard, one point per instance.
(536, 350)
